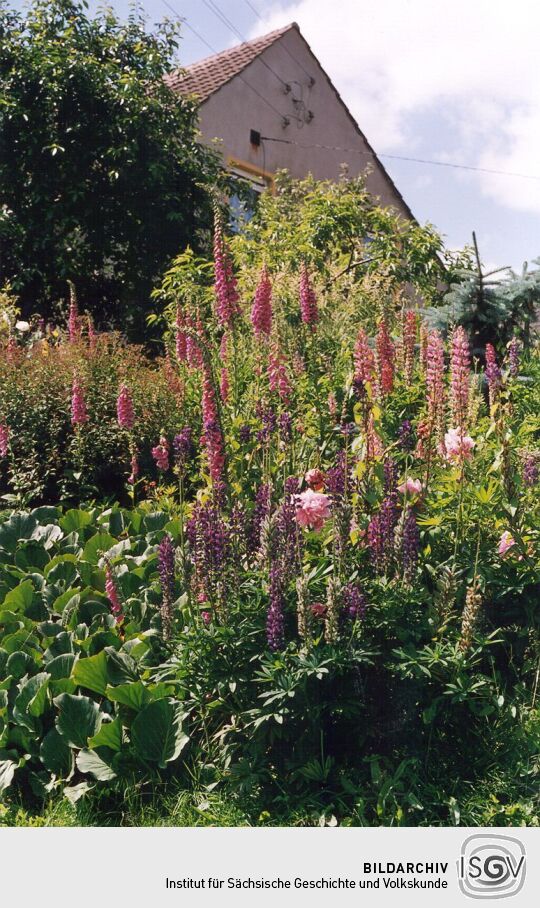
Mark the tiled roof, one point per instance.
(206, 76)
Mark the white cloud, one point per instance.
(472, 62)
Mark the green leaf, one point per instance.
(157, 733)
(75, 520)
(61, 666)
(7, 771)
(134, 694)
(31, 700)
(96, 546)
(78, 719)
(21, 597)
(56, 755)
(92, 673)
(90, 761)
(109, 735)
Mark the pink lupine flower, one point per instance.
(261, 311)
(318, 609)
(457, 445)
(409, 341)
(332, 405)
(308, 301)
(364, 360)
(132, 478)
(315, 479)
(385, 359)
(112, 594)
(224, 381)
(312, 509)
(506, 542)
(124, 409)
(212, 437)
(4, 440)
(411, 487)
(194, 354)
(278, 379)
(435, 384)
(180, 337)
(161, 454)
(79, 414)
(74, 325)
(226, 293)
(460, 377)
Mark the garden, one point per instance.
(283, 567)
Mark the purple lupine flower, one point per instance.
(406, 436)
(530, 471)
(375, 542)
(514, 349)
(260, 512)
(390, 475)
(411, 545)
(268, 418)
(285, 427)
(244, 434)
(166, 577)
(183, 447)
(275, 624)
(210, 543)
(336, 477)
(354, 602)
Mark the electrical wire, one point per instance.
(397, 157)
(257, 13)
(282, 116)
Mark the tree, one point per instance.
(102, 179)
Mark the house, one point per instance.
(273, 106)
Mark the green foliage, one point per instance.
(102, 179)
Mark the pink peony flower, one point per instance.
(506, 542)
(410, 487)
(124, 409)
(312, 509)
(161, 454)
(457, 445)
(315, 479)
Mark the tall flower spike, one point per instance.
(224, 380)
(212, 435)
(435, 385)
(124, 409)
(226, 293)
(364, 360)
(514, 348)
(113, 596)
(460, 378)
(4, 440)
(409, 341)
(308, 301)
(180, 337)
(278, 379)
(261, 311)
(160, 453)
(79, 414)
(493, 374)
(74, 326)
(166, 577)
(385, 360)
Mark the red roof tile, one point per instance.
(206, 76)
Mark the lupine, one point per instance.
(409, 341)
(333, 608)
(278, 379)
(514, 348)
(435, 384)
(113, 596)
(261, 311)
(406, 436)
(385, 360)
(226, 293)
(74, 325)
(364, 360)
(79, 413)
(411, 545)
(166, 577)
(460, 377)
(354, 602)
(210, 543)
(183, 448)
(376, 542)
(212, 437)
(309, 310)
(493, 374)
(530, 471)
(4, 440)
(224, 377)
(470, 616)
(180, 336)
(275, 622)
(124, 409)
(160, 453)
(261, 511)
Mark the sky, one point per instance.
(453, 82)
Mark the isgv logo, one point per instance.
(491, 866)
